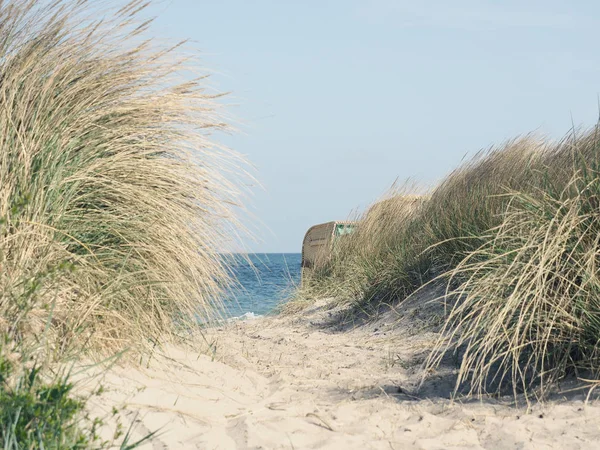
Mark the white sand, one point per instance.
(290, 384)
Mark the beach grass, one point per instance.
(410, 237)
(528, 312)
(513, 234)
(114, 199)
(115, 204)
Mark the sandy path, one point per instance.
(274, 383)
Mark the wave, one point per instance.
(244, 317)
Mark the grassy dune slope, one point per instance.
(114, 204)
(514, 234)
(113, 199)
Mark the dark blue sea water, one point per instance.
(264, 282)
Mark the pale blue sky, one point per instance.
(337, 99)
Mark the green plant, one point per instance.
(40, 413)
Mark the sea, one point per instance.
(263, 282)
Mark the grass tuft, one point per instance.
(514, 234)
(114, 201)
(529, 308)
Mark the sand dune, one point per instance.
(285, 383)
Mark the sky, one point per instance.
(334, 100)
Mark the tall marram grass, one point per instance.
(407, 240)
(114, 200)
(362, 258)
(514, 234)
(528, 309)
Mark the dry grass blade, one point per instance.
(114, 202)
(514, 233)
(528, 310)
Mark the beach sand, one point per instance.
(310, 382)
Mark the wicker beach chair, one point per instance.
(318, 244)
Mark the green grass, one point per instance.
(37, 413)
(41, 408)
